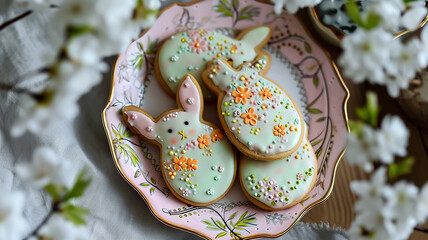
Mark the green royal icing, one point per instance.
(207, 182)
(257, 112)
(277, 184)
(188, 53)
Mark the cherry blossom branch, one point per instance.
(19, 17)
(15, 19)
(421, 229)
(55, 209)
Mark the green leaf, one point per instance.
(138, 61)
(243, 216)
(153, 180)
(130, 154)
(140, 46)
(115, 131)
(207, 223)
(137, 173)
(353, 12)
(74, 214)
(316, 142)
(222, 234)
(308, 48)
(314, 110)
(319, 151)
(369, 113)
(316, 81)
(221, 224)
(248, 13)
(321, 119)
(73, 31)
(55, 191)
(78, 188)
(225, 8)
(403, 167)
(372, 20)
(144, 184)
(152, 190)
(232, 216)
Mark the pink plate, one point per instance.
(299, 64)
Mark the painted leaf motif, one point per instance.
(144, 184)
(222, 234)
(152, 190)
(225, 8)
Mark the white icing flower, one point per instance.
(392, 139)
(12, 223)
(45, 168)
(57, 228)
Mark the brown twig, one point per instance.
(19, 17)
(15, 19)
(421, 229)
(55, 209)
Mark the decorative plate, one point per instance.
(299, 64)
(331, 20)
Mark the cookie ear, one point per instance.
(189, 94)
(140, 121)
(256, 36)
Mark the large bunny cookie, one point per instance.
(258, 116)
(279, 184)
(198, 163)
(188, 53)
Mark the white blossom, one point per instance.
(401, 199)
(45, 168)
(370, 192)
(413, 16)
(365, 55)
(12, 223)
(293, 5)
(362, 150)
(392, 139)
(384, 211)
(57, 228)
(422, 205)
(60, 98)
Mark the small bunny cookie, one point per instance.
(188, 53)
(257, 114)
(279, 184)
(198, 163)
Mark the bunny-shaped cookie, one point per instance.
(188, 53)
(198, 163)
(257, 114)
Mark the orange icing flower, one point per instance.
(264, 106)
(179, 163)
(241, 95)
(192, 164)
(279, 130)
(204, 141)
(216, 135)
(243, 78)
(250, 117)
(233, 49)
(265, 93)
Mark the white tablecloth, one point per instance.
(116, 210)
